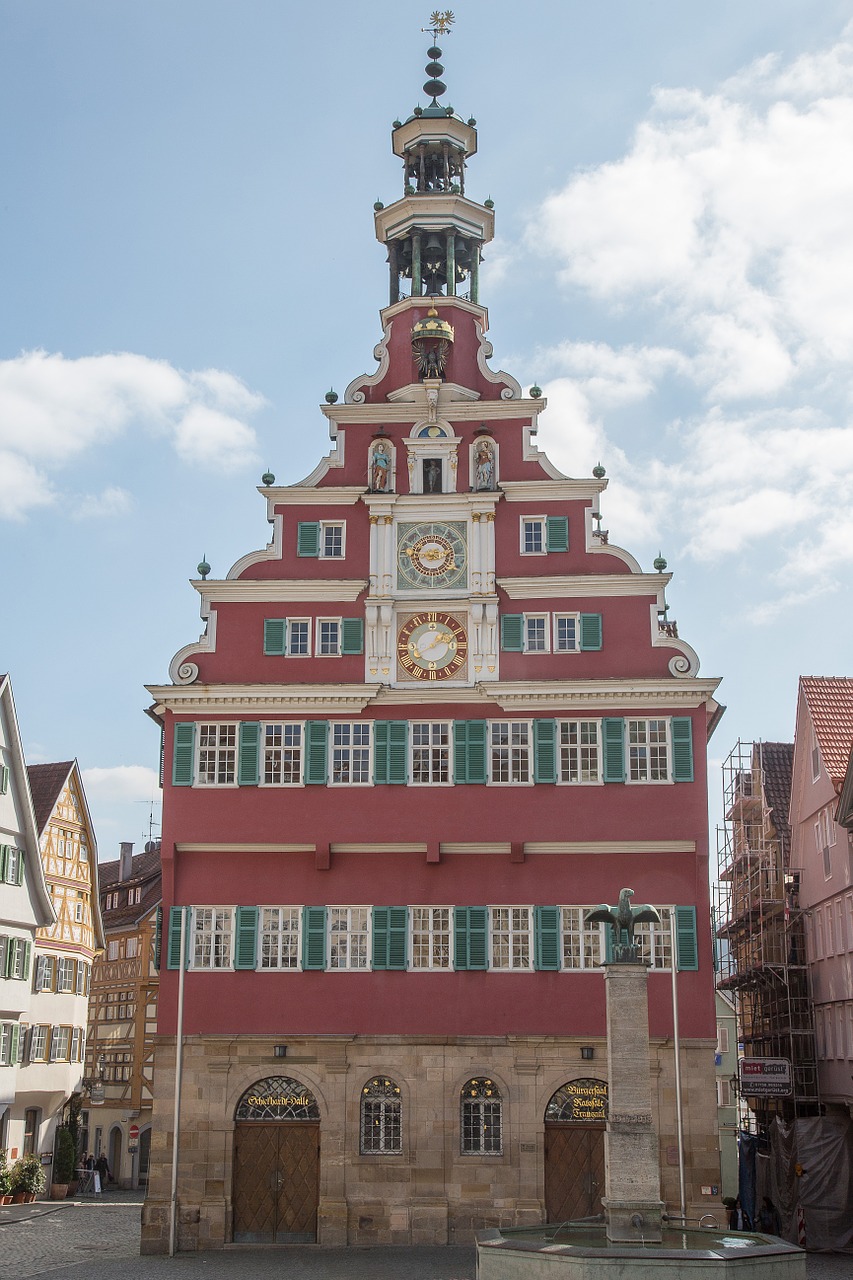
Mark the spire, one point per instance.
(440, 24)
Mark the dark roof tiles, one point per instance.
(46, 783)
(777, 760)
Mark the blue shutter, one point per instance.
(687, 949)
(682, 749)
(316, 739)
(313, 937)
(247, 938)
(591, 631)
(470, 935)
(352, 635)
(275, 635)
(390, 930)
(308, 538)
(557, 533)
(512, 632)
(544, 750)
(183, 754)
(546, 926)
(613, 734)
(248, 754)
(173, 956)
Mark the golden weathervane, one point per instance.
(440, 22)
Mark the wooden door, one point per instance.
(574, 1171)
(276, 1182)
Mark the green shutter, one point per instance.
(544, 750)
(557, 533)
(390, 751)
(28, 951)
(4, 859)
(470, 932)
(316, 740)
(512, 632)
(390, 930)
(13, 1043)
(22, 857)
(183, 754)
(4, 779)
(173, 957)
(247, 938)
(613, 733)
(546, 925)
(352, 635)
(469, 750)
(158, 936)
(687, 949)
(682, 749)
(275, 635)
(249, 754)
(308, 538)
(7, 958)
(590, 630)
(313, 937)
(161, 770)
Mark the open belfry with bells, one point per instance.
(430, 724)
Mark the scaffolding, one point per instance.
(761, 944)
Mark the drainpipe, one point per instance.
(179, 1065)
(679, 1123)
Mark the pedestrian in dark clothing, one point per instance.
(738, 1220)
(103, 1168)
(768, 1218)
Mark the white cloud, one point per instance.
(112, 501)
(120, 784)
(53, 409)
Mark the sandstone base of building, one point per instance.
(432, 1193)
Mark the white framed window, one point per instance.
(839, 926)
(76, 1041)
(280, 934)
(299, 637)
(44, 973)
(217, 755)
(349, 937)
(6, 1044)
(282, 755)
(583, 944)
(830, 932)
(580, 751)
(533, 536)
(511, 938)
(38, 1044)
(134, 896)
(112, 949)
(78, 910)
(724, 1092)
(818, 935)
(84, 850)
(65, 975)
(131, 948)
(431, 937)
(60, 1044)
(537, 633)
(17, 958)
(509, 751)
(328, 643)
(566, 628)
(654, 941)
(480, 1118)
(648, 751)
(82, 972)
(722, 1039)
(381, 1118)
(350, 754)
(332, 539)
(213, 935)
(13, 864)
(430, 746)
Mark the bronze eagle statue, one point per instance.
(623, 918)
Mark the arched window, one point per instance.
(480, 1119)
(381, 1118)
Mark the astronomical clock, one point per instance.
(432, 556)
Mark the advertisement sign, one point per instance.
(765, 1077)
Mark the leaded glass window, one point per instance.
(381, 1118)
(480, 1119)
(277, 1098)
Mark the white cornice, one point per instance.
(281, 699)
(342, 495)
(195, 847)
(274, 589)
(551, 490)
(413, 393)
(559, 695)
(584, 585)
(411, 411)
(611, 846)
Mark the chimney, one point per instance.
(125, 860)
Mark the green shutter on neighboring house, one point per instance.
(22, 857)
(546, 926)
(183, 754)
(28, 951)
(557, 533)
(313, 937)
(591, 631)
(470, 934)
(512, 632)
(390, 929)
(249, 753)
(308, 538)
(173, 955)
(687, 948)
(613, 733)
(316, 739)
(245, 951)
(4, 779)
(544, 750)
(4, 859)
(275, 635)
(14, 1041)
(158, 936)
(352, 635)
(682, 749)
(390, 751)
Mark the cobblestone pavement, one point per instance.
(99, 1240)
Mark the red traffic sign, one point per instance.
(133, 1133)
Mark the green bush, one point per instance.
(5, 1179)
(27, 1175)
(63, 1156)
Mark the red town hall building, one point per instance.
(432, 722)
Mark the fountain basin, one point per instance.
(583, 1252)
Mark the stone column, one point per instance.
(632, 1180)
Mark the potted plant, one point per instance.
(5, 1179)
(27, 1178)
(63, 1163)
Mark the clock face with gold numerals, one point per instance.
(432, 555)
(432, 646)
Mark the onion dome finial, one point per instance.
(599, 472)
(203, 568)
(659, 563)
(268, 478)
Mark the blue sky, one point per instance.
(188, 264)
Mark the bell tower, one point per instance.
(434, 234)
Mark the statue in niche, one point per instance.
(380, 467)
(484, 465)
(432, 475)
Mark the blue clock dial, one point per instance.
(432, 555)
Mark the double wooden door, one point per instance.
(276, 1182)
(574, 1171)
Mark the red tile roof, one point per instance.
(46, 783)
(830, 703)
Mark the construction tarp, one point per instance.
(811, 1181)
